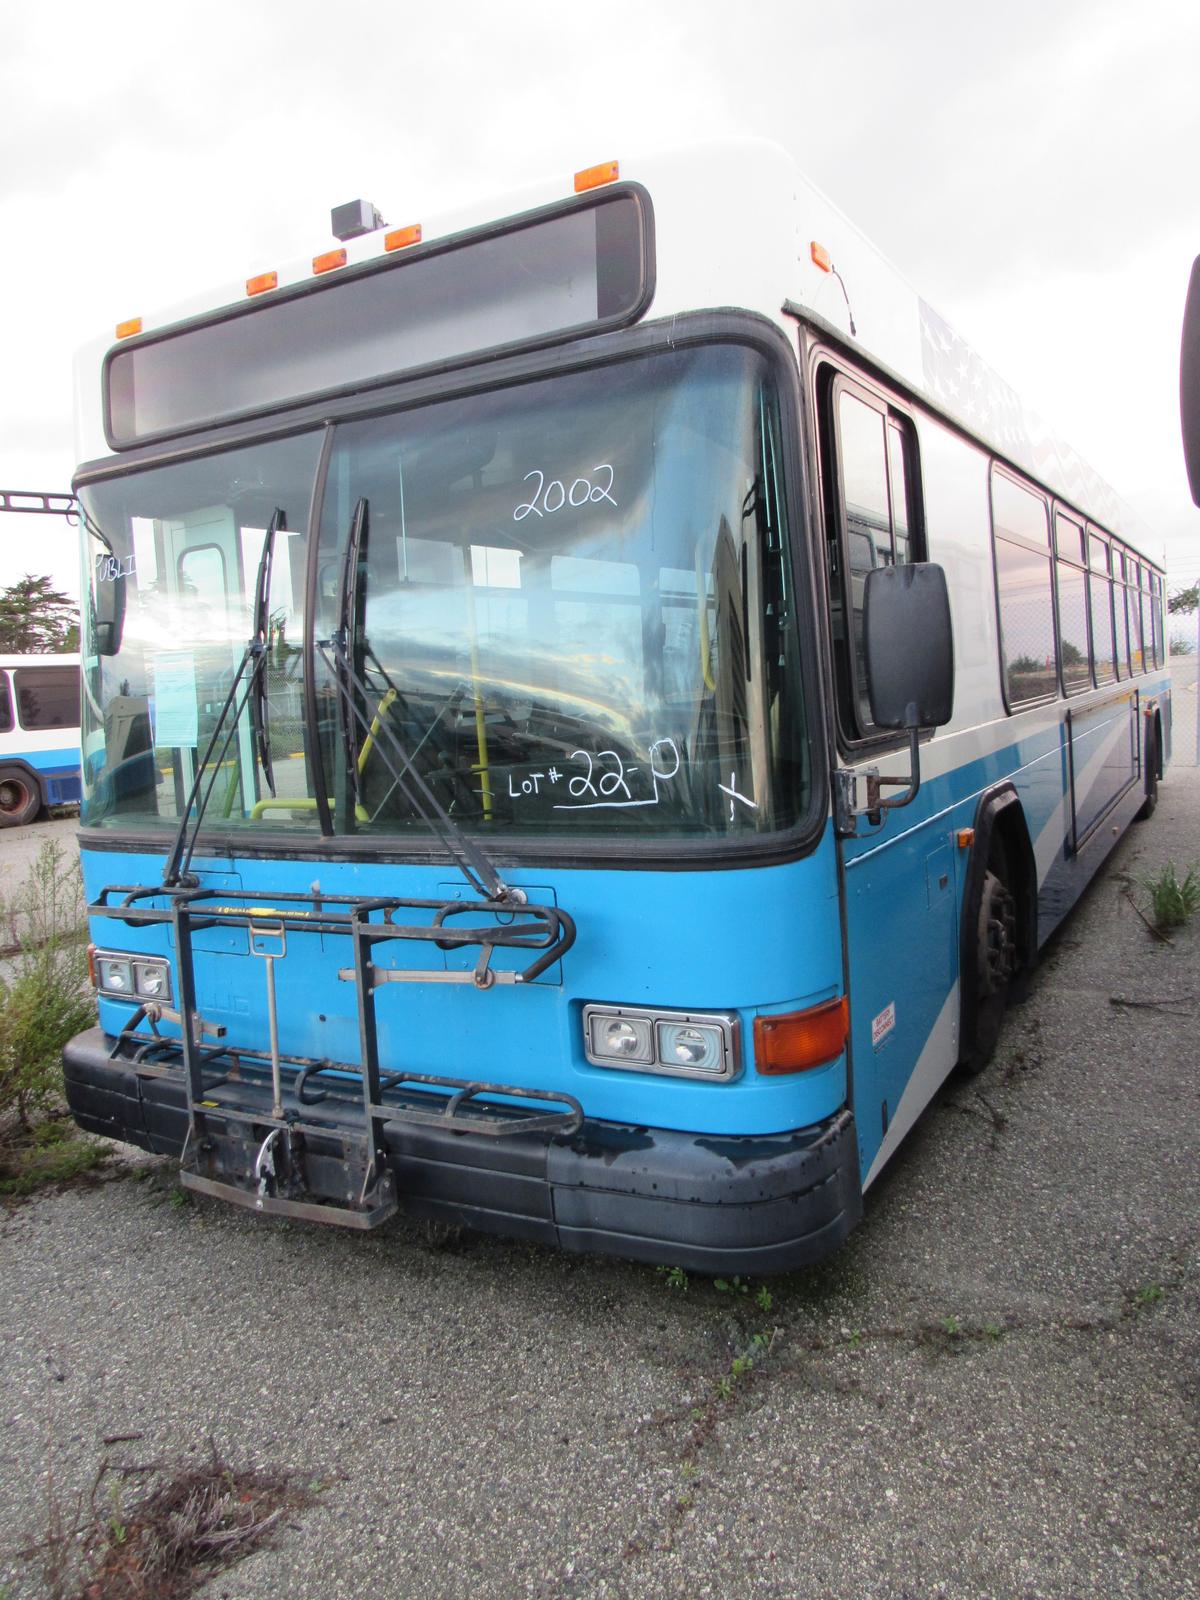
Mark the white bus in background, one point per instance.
(39, 735)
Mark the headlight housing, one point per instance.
(681, 1044)
(143, 978)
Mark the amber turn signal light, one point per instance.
(800, 1040)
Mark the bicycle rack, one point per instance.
(255, 1136)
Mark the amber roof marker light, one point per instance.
(126, 330)
(822, 259)
(597, 177)
(402, 238)
(329, 261)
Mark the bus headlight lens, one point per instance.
(151, 980)
(687, 1045)
(620, 1039)
(116, 975)
(705, 1045)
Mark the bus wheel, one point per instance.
(1151, 769)
(997, 956)
(20, 798)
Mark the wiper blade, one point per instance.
(259, 643)
(348, 629)
(176, 871)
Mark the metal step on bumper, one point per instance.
(270, 1173)
(318, 1162)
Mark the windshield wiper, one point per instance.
(262, 638)
(342, 653)
(254, 657)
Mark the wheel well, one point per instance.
(1001, 844)
(1155, 721)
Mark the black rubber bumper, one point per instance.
(704, 1202)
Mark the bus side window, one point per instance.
(870, 455)
(48, 697)
(1024, 591)
(6, 710)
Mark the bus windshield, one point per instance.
(567, 609)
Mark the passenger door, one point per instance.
(899, 877)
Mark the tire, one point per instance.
(1150, 769)
(20, 797)
(997, 957)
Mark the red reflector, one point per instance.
(799, 1040)
(330, 260)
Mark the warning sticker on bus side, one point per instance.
(883, 1024)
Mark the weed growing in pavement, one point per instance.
(166, 1543)
(731, 1286)
(676, 1277)
(1173, 901)
(1149, 1295)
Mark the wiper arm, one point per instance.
(345, 647)
(176, 871)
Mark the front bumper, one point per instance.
(708, 1203)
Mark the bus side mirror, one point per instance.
(909, 646)
(108, 615)
(1189, 382)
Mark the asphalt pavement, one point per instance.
(990, 1391)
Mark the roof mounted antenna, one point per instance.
(355, 218)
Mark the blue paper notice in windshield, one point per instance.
(175, 699)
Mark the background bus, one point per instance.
(614, 705)
(39, 735)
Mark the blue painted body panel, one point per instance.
(764, 939)
(751, 941)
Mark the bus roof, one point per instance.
(65, 659)
(737, 225)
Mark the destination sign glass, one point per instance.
(578, 269)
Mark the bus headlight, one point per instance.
(116, 975)
(133, 978)
(689, 1045)
(619, 1040)
(679, 1043)
(152, 980)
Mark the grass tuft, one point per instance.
(1173, 901)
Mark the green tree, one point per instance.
(1183, 600)
(37, 619)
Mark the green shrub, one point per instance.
(44, 999)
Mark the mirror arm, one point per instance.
(876, 805)
(846, 812)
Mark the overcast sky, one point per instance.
(1032, 169)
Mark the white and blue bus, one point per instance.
(39, 735)
(591, 710)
